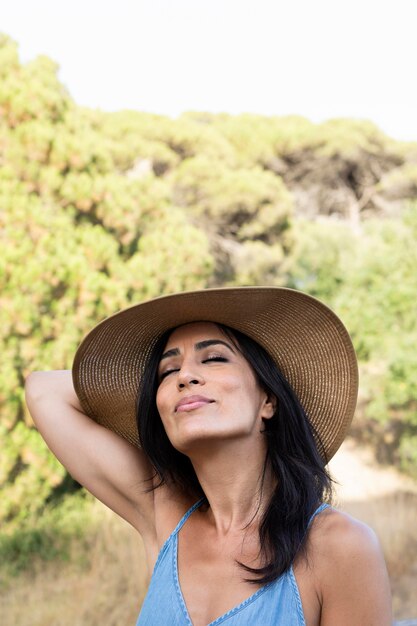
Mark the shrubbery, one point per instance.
(369, 278)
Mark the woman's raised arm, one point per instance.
(111, 468)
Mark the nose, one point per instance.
(186, 378)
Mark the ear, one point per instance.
(269, 406)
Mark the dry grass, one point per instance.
(105, 588)
(394, 520)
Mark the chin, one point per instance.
(188, 442)
(194, 438)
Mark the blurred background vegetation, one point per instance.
(100, 210)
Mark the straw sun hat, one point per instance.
(305, 338)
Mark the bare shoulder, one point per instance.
(334, 533)
(349, 571)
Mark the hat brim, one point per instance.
(305, 338)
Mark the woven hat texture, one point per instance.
(305, 338)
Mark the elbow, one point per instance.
(52, 388)
(34, 387)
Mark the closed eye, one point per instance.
(215, 358)
(166, 373)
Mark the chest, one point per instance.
(200, 572)
(209, 575)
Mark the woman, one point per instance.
(241, 398)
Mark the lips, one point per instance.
(189, 403)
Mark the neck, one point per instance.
(235, 482)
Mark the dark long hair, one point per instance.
(292, 454)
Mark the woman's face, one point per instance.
(207, 390)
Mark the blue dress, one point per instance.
(277, 603)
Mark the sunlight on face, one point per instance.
(208, 392)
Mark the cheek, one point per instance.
(158, 399)
(161, 403)
(245, 388)
(251, 392)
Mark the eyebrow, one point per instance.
(198, 346)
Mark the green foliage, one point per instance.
(370, 280)
(260, 140)
(349, 138)
(257, 263)
(31, 91)
(246, 203)
(46, 537)
(400, 182)
(408, 453)
(35, 473)
(321, 253)
(172, 255)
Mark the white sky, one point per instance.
(317, 58)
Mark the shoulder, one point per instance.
(335, 533)
(349, 570)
